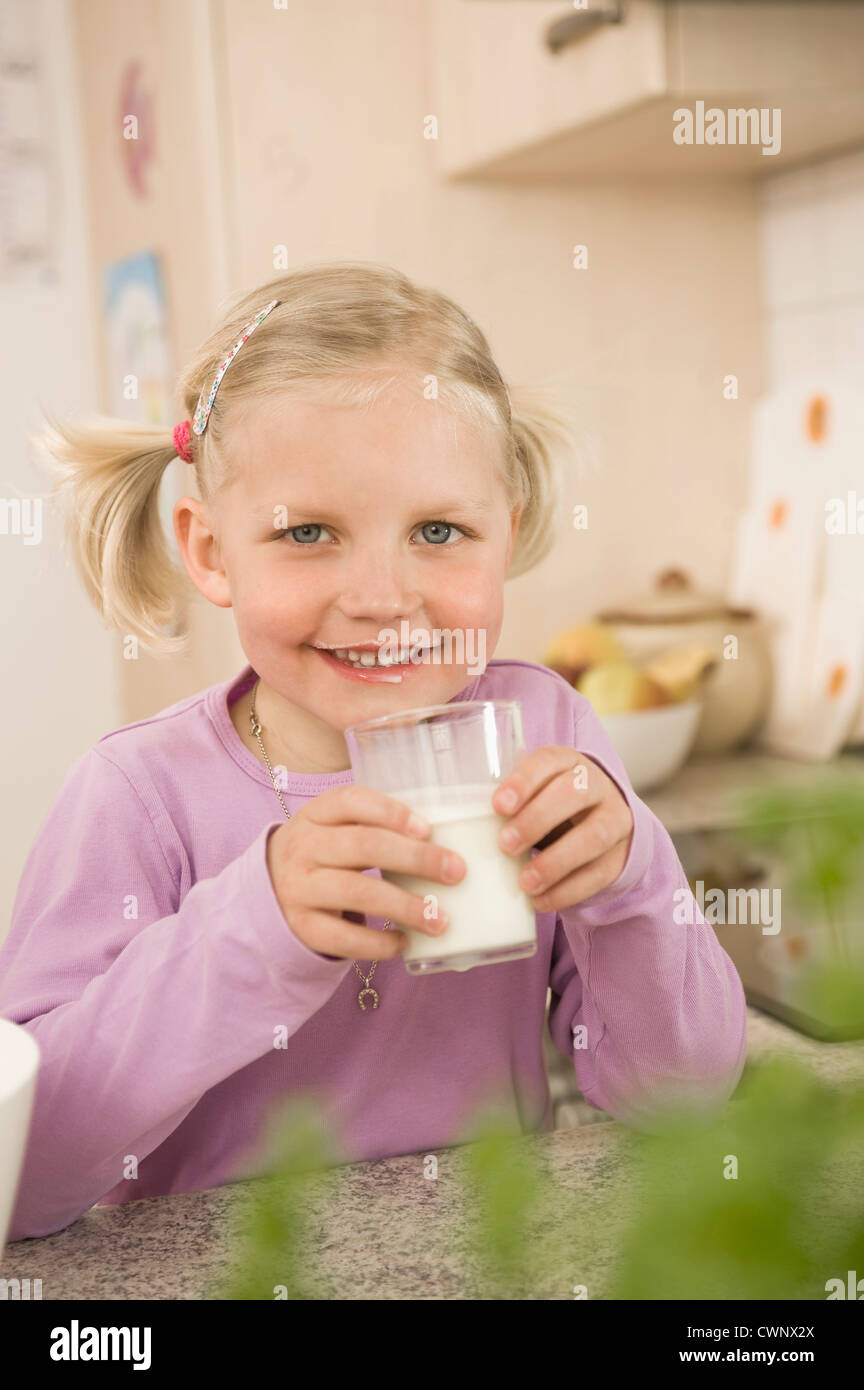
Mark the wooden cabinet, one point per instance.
(508, 107)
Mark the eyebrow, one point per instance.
(478, 504)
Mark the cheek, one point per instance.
(476, 603)
(264, 604)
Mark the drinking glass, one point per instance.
(445, 761)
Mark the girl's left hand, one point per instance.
(564, 791)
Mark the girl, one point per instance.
(199, 904)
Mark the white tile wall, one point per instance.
(812, 249)
(812, 246)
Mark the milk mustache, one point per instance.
(491, 916)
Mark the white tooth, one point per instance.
(341, 652)
(355, 656)
(385, 659)
(368, 659)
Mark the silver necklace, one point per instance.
(255, 728)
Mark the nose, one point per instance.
(376, 589)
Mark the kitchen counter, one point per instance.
(708, 791)
(381, 1230)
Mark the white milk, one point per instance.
(491, 917)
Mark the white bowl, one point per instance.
(653, 743)
(19, 1063)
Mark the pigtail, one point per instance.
(544, 433)
(107, 475)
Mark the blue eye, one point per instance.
(307, 526)
(442, 525)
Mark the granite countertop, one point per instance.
(380, 1230)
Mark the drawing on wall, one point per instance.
(138, 356)
(137, 144)
(28, 247)
(136, 333)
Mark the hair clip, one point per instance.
(203, 408)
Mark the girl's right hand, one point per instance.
(315, 861)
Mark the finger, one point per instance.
(365, 805)
(332, 935)
(582, 883)
(534, 771)
(598, 834)
(371, 847)
(540, 818)
(376, 897)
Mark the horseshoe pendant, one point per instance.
(368, 990)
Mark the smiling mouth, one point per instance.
(371, 660)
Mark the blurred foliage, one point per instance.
(819, 832)
(760, 1199)
(793, 1217)
(269, 1260)
(756, 1206)
(507, 1189)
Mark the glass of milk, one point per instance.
(445, 761)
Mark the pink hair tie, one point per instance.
(181, 440)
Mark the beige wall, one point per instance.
(322, 151)
(59, 690)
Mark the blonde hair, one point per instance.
(335, 323)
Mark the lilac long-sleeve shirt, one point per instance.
(150, 959)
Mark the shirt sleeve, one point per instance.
(651, 1010)
(127, 990)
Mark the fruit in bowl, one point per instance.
(650, 711)
(682, 670)
(577, 649)
(616, 687)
